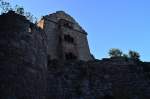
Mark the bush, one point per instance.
(19, 10)
(6, 7)
(134, 55)
(115, 52)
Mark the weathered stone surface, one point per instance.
(107, 79)
(57, 26)
(26, 73)
(23, 58)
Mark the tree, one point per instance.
(5, 6)
(19, 9)
(134, 55)
(125, 56)
(115, 52)
(29, 16)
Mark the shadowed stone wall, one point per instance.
(23, 58)
(24, 73)
(106, 79)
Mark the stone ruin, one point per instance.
(66, 39)
(49, 63)
(23, 58)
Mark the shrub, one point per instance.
(6, 7)
(115, 52)
(134, 55)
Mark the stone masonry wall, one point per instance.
(23, 58)
(81, 43)
(50, 24)
(50, 28)
(97, 80)
(26, 73)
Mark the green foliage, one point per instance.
(125, 56)
(115, 52)
(19, 10)
(29, 16)
(134, 55)
(5, 7)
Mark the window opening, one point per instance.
(68, 38)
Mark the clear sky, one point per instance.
(123, 24)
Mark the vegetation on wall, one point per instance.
(114, 52)
(134, 55)
(6, 7)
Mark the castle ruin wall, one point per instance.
(23, 55)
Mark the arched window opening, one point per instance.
(68, 38)
(69, 25)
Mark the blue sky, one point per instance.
(123, 24)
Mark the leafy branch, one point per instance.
(6, 7)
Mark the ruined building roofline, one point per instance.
(56, 16)
(57, 12)
(83, 32)
(66, 38)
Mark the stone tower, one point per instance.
(66, 39)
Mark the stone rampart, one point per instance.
(23, 58)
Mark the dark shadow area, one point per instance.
(70, 56)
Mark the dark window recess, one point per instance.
(48, 59)
(70, 56)
(68, 38)
(69, 25)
